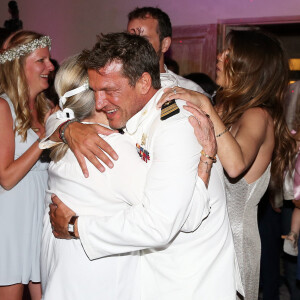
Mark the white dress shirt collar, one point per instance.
(168, 78)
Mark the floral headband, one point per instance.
(17, 52)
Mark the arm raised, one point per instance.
(238, 148)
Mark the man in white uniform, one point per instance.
(155, 25)
(185, 241)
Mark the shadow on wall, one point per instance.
(13, 24)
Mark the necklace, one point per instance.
(35, 129)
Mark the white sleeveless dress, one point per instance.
(21, 216)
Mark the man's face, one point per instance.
(114, 95)
(147, 28)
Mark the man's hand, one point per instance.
(60, 215)
(84, 141)
(203, 128)
(205, 134)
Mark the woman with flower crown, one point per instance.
(24, 69)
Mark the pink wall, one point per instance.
(73, 24)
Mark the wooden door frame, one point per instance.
(213, 35)
(225, 24)
(206, 34)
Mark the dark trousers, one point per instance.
(269, 223)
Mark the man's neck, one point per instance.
(151, 93)
(162, 65)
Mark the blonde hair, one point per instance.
(13, 83)
(71, 75)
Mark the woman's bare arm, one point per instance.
(12, 171)
(236, 152)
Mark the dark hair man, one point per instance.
(155, 25)
(191, 234)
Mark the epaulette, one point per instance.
(169, 109)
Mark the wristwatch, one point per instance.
(71, 226)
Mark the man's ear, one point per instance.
(144, 83)
(165, 44)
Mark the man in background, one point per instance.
(156, 27)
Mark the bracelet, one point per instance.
(60, 127)
(213, 158)
(226, 129)
(64, 127)
(207, 164)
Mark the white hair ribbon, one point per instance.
(67, 113)
(63, 99)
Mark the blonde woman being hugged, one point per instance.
(67, 272)
(252, 136)
(24, 70)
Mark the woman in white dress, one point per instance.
(67, 272)
(24, 69)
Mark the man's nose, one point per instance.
(100, 100)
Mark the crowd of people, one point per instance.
(154, 181)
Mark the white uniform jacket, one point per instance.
(170, 78)
(174, 264)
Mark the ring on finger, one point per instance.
(174, 91)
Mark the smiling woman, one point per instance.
(37, 68)
(24, 70)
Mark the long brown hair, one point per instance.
(257, 71)
(13, 82)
